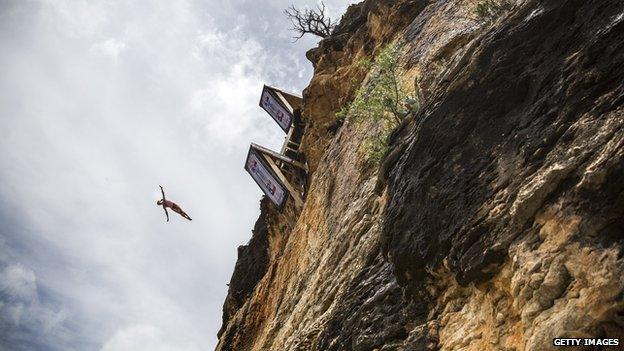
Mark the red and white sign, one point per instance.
(266, 178)
(276, 108)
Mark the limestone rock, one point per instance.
(496, 221)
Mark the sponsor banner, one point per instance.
(276, 109)
(266, 178)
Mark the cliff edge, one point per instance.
(494, 219)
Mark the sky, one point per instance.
(100, 102)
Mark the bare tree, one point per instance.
(310, 21)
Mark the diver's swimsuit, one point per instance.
(172, 205)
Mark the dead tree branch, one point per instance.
(310, 21)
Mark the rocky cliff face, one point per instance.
(496, 219)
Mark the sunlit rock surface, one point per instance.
(496, 219)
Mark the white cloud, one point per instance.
(18, 282)
(80, 17)
(22, 308)
(110, 48)
(142, 337)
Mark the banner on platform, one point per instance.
(276, 108)
(266, 179)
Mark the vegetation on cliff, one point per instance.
(382, 99)
(310, 21)
(487, 11)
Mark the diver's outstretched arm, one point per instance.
(164, 202)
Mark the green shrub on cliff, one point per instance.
(381, 98)
(487, 11)
(375, 147)
(382, 95)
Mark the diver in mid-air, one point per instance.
(172, 205)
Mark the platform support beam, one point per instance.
(293, 192)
